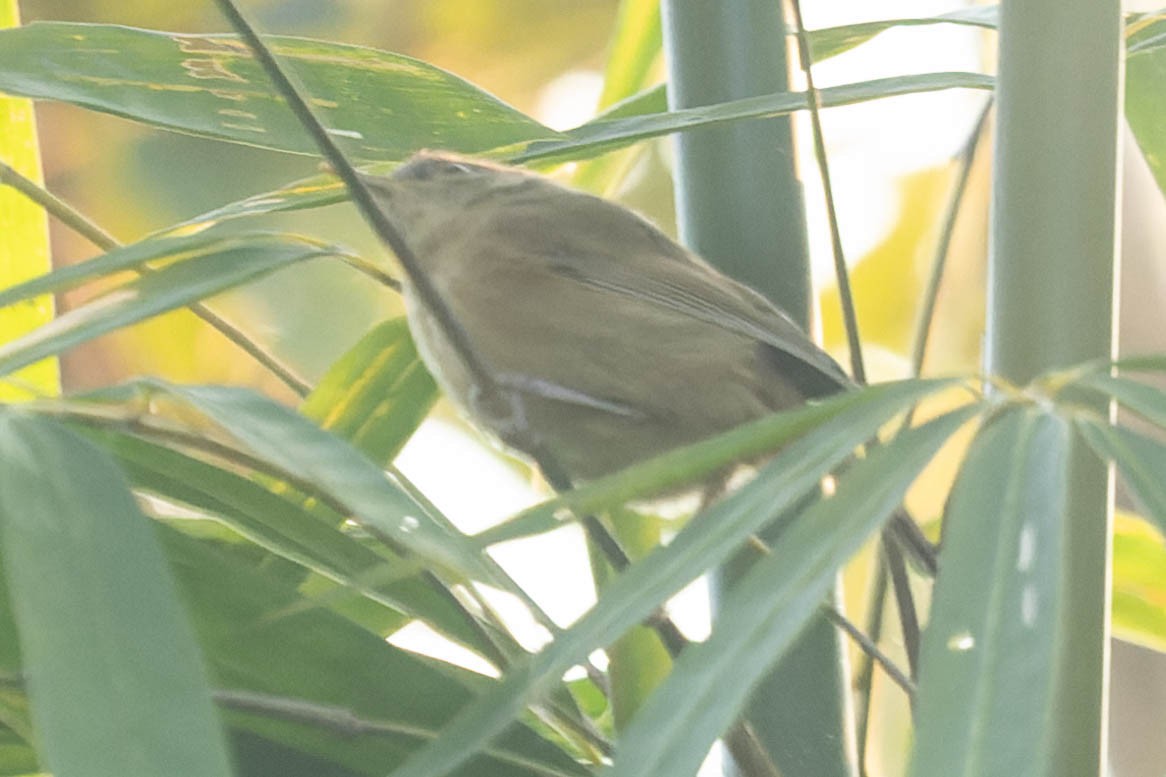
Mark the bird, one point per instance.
(617, 342)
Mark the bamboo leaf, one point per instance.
(832, 41)
(837, 416)
(1145, 400)
(1145, 107)
(996, 622)
(295, 445)
(204, 273)
(169, 250)
(705, 542)
(640, 117)
(24, 229)
(210, 85)
(291, 527)
(376, 394)
(763, 614)
(605, 135)
(1139, 583)
(114, 675)
(1140, 459)
(339, 699)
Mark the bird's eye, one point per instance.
(429, 168)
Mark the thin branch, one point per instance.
(871, 649)
(347, 723)
(908, 619)
(377, 219)
(841, 621)
(79, 223)
(666, 629)
(814, 101)
(58, 208)
(899, 578)
(864, 677)
(967, 159)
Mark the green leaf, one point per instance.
(292, 527)
(346, 699)
(760, 617)
(209, 85)
(1150, 362)
(17, 758)
(135, 257)
(705, 542)
(1140, 459)
(378, 105)
(633, 54)
(832, 41)
(376, 394)
(995, 632)
(113, 672)
(1145, 105)
(1139, 583)
(16, 730)
(654, 99)
(689, 465)
(24, 236)
(295, 445)
(604, 135)
(203, 272)
(1145, 400)
(635, 46)
(314, 192)
(639, 117)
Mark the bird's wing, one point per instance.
(694, 289)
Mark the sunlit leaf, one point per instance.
(378, 105)
(376, 394)
(1139, 583)
(24, 231)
